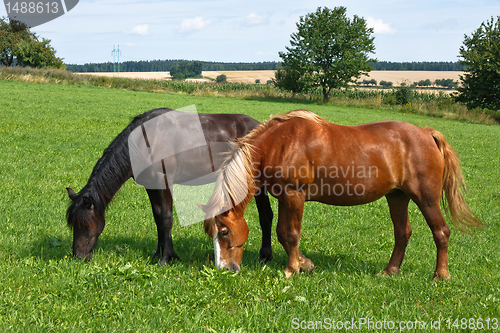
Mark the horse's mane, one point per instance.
(110, 172)
(235, 183)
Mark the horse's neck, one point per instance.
(107, 178)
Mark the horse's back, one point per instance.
(374, 159)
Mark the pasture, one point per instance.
(51, 137)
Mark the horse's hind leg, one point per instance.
(398, 206)
(441, 234)
(266, 222)
(162, 205)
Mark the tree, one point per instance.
(11, 33)
(332, 49)
(447, 83)
(34, 53)
(221, 78)
(423, 83)
(18, 45)
(386, 84)
(183, 69)
(291, 79)
(480, 54)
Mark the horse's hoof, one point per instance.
(441, 277)
(388, 272)
(169, 259)
(266, 254)
(289, 273)
(307, 266)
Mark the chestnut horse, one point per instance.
(300, 157)
(85, 214)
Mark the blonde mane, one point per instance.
(235, 183)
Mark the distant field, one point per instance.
(396, 77)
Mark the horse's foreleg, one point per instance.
(266, 222)
(161, 203)
(288, 230)
(398, 206)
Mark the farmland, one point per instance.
(52, 136)
(250, 76)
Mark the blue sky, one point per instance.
(253, 31)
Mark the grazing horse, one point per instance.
(85, 214)
(300, 157)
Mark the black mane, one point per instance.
(111, 171)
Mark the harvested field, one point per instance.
(396, 77)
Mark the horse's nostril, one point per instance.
(235, 267)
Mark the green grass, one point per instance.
(436, 105)
(52, 135)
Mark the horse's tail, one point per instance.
(453, 201)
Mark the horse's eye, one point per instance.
(224, 231)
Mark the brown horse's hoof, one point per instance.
(307, 266)
(441, 277)
(389, 272)
(290, 272)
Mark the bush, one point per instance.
(423, 83)
(221, 78)
(404, 94)
(390, 99)
(178, 76)
(386, 84)
(446, 83)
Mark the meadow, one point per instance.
(51, 136)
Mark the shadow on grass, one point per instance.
(194, 252)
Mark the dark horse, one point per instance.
(85, 215)
(300, 157)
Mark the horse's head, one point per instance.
(229, 232)
(87, 224)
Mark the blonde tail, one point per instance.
(453, 201)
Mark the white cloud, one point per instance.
(254, 19)
(379, 27)
(142, 29)
(193, 24)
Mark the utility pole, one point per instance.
(116, 54)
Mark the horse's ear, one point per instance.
(202, 207)
(87, 202)
(71, 193)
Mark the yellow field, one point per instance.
(396, 77)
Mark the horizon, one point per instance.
(223, 31)
(254, 62)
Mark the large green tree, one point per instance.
(480, 54)
(330, 48)
(20, 46)
(11, 33)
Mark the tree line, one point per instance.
(165, 65)
(416, 66)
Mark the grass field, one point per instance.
(52, 135)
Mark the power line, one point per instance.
(116, 54)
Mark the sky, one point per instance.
(255, 30)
